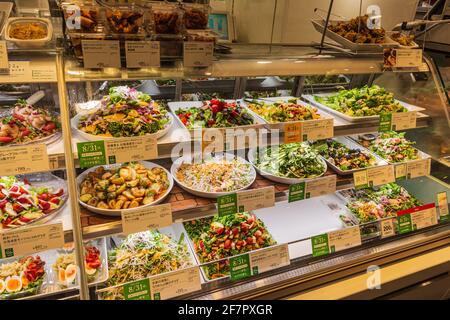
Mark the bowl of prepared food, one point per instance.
(213, 176)
(30, 199)
(29, 32)
(288, 163)
(404, 40)
(21, 277)
(25, 124)
(111, 189)
(125, 112)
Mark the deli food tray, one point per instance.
(353, 145)
(312, 100)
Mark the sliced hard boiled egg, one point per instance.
(90, 271)
(2, 286)
(13, 284)
(71, 273)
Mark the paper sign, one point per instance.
(317, 129)
(269, 259)
(374, 177)
(101, 53)
(174, 284)
(312, 188)
(400, 171)
(153, 217)
(91, 154)
(360, 179)
(198, 54)
(227, 204)
(240, 267)
(293, 132)
(255, 199)
(4, 64)
(19, 71)
(408, 58)
(137, 290)
(416, 218)
(28, 240)
(335, 241)
(397, 121)
(418, 168)
(23, 159)
(142, 54)
(387, 228)
(443, 206)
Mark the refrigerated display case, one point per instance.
(323, 191)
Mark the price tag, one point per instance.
(101, 53)
(317, 129)
(255, 199)
(387, 228)
(146, 218)
(408, 58)
(335, 241)
(416, 218)
(269, 258)
(360, 179)
(4, 63)
(380, 175)
(198, 54)
(397, 121)
(418, 168)
(400, 171)
(23, 159)
(174, 284)
(293, 132)
(443, 206)
(297, 192)
(19, 71)
(137, 290)
(312, 188)
(91, 154)
(28, 240)
(227, 204)
(240, 267)
(142, 54)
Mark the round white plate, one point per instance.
(117, 213)
(177, 163)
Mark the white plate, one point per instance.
(177, 163)
(312, 100)
(272, 177)
(90, 137)
(117, 213)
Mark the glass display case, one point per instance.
(269, 173)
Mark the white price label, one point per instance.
(320, 186)
(4, 63)
(131, 149)
(24, 159)
(343, 239)
(142, 54)
(380, 175)
(28, 240)
(198, 54)
(418, 168)
(442, 204)
(317, 129)
(387, 228)
(424, 218)
(19, 71)
(101, 53)
(256, 199)
(153, 217)
(404, 120)
(269, 258)
(407, 58)
(176, 283)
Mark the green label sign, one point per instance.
(385, 122)
(137, 290)
(240, 267)
(297, 192)
(227, 204)
(320, 245)
(91, 153)
(405, 224)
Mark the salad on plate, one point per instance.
(27, 124)
(220, 237)
(281, 111)
(362, 102)
(216, 113)
(21, 203)
(125, 112)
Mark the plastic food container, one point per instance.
(125, 20)
(166, 19)
(82, 18)
(195, 16)
(201, 35)
(22, 30)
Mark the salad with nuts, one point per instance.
(284, 111)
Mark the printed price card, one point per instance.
(23, 159)
(312, 188)
(28, 240)
(4, 63)
(137, 290)
(246, 200)
(374, 176)
(397, 121)
(153, 217)
(400, 171)
(407, 58)
(142, 54)
(387, 228)
(101, 53)
(416, 218)
(317, 129)
(418, 168)
(198, 54)
(335, 241)
(174, 284)
(443, 206)
(293, 132)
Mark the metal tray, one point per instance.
(188, 158)
(280, 125)
(118, 213)
(252, 159)
(353, 145)
(319, 25)
(312, 100)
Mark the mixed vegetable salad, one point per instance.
(216, 113)
(362, 102)
(392, 146)
(293, 160)
(125, 112)
(22, 277)
(342, 156)
(216, 174)
(26, 124)
(284, 111)
(220, 237)
(21, 203)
